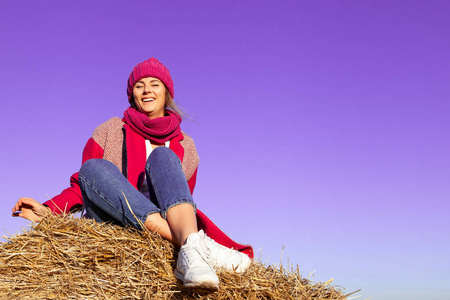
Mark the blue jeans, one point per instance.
(104, 189)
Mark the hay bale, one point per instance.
(72, 258)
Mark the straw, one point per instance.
(64, 257)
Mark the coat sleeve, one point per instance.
(189, 157)
(70, 199)
(191, 182)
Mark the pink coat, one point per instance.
(117, 142)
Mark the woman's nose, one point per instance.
(148, 89)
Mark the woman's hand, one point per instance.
(30, 209)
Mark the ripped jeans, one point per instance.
(106, 191)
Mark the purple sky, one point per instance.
(322, 126)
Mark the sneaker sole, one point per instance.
(208, 285)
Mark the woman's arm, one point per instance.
(191, 182)
(190, 160)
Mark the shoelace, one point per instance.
(212, 242)
(203, 254)
(217, 249)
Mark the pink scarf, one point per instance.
(158, 130)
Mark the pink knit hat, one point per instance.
(150, 68)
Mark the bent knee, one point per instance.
(161, 150)
(94, 165)
(161, 153)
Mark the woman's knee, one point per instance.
(95, 165)
(162, 154)
(90, 165)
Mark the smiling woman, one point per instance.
(149, 97)
(140, 171)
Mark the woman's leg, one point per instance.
(106, 193)
(170, 192)
(169, 189)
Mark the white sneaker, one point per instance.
(223, 257)
(193, 266)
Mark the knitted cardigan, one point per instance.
(116, 142)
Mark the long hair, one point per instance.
(170, 104)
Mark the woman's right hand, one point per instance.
(30, 209)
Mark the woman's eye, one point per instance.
(155, 85)
(139, 86)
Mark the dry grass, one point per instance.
(72, 258)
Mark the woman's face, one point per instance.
(150, 97)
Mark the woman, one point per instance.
(141, 171)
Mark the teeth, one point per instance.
(148, 100)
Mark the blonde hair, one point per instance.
(170, 104)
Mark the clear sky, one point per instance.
(322, 126)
